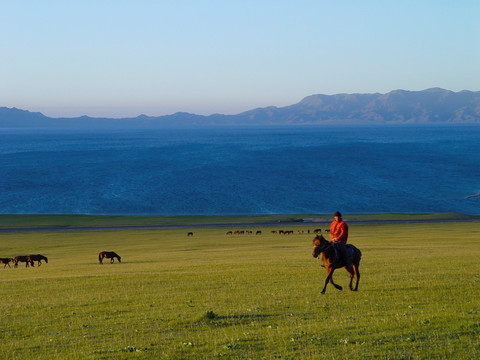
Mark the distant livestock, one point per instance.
(6, 261)
(24, 258)
(109, 255)
(38, 258)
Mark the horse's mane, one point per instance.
(318, 240)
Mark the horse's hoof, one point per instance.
(323, 293)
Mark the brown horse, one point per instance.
(38, 258)
(6, 261)
(109, 255)
(331, 262)
(26, 259)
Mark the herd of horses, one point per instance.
(30, 260)
(27, 259)
(280, 232)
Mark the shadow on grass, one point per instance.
(210, 318)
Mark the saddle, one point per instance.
(349, 254)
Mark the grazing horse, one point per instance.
(6, 261)
(26, 259)
(190, 234)
(109, 255)
(39, 258)
(330, 261)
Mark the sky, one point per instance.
(117, 58)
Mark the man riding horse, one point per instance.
(339, 237)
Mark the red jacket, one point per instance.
(339, 230)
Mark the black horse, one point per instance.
(39, 258)
(109, 255)
(24, 258)
(331, 262)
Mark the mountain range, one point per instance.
(433, 105)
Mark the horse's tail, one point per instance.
(100, 257)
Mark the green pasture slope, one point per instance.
(218, 296)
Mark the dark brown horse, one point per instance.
(26, 259)
(6, 261)
(109, 255)
(38, 258)
(331, 262)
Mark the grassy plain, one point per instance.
(218, 296)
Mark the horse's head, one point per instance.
(319, 244)
(119, 258)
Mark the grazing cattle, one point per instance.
(331, 262)
(38, 258)
(190, 234)
(24, 258)
(6, 261)
(317, 231)
(258, 232)
(229, 233)
(109, 255)
(327, 231)
(300, 231)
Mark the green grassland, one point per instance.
(218, 296)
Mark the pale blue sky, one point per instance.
(123, 58)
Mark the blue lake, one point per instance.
(360, 169)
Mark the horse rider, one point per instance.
(339, 237)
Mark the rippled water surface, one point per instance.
(241, 170)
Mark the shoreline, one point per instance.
(311, 222)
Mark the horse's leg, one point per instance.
(352, 273)
(357, 275)
(329, 276)
(337, 286)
